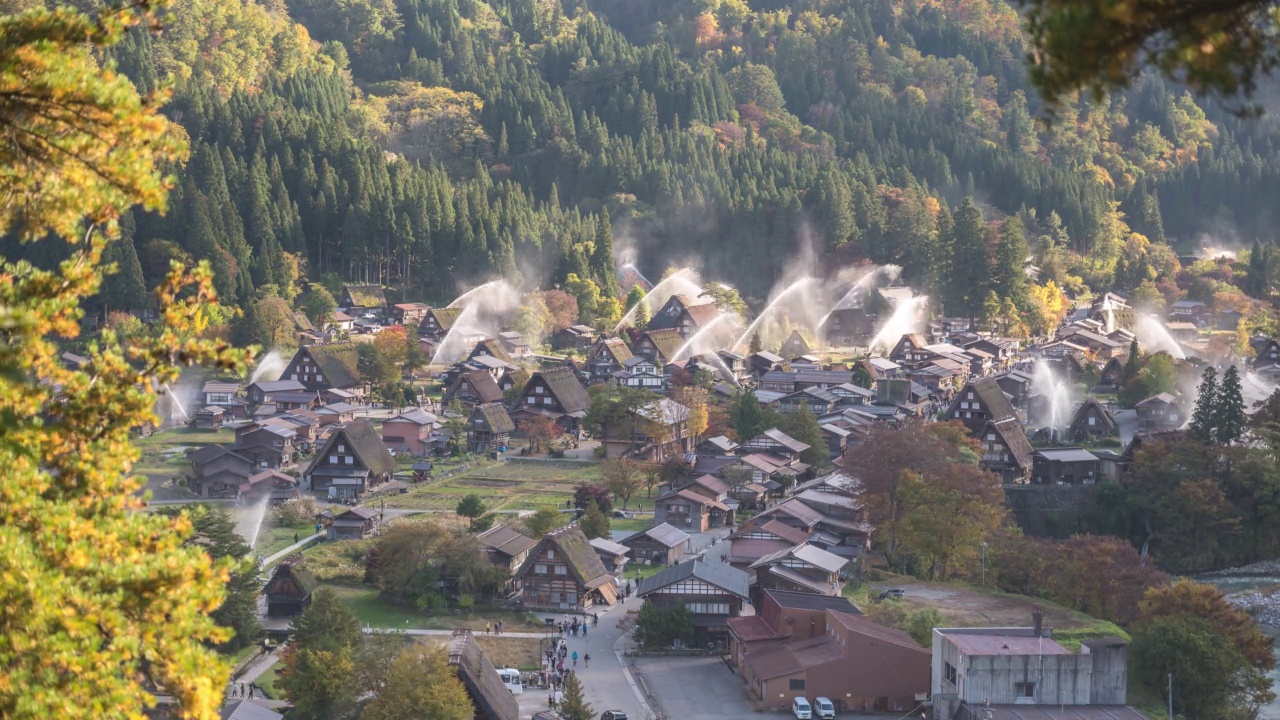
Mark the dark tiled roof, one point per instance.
(496, 417)
(506, 540)
(566, 388)
(807, 601)
(668, 535)
(722, 576)
(783, 439)
(339, 363)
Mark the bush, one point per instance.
(466, 601)
(299, 511)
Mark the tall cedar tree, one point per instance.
(1008, 273)
(803, 425)
(603, 266)
(970, 274)
(1229, 419)
(1204, 418)
(594, 523)
(574, 706)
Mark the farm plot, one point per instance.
(511, 485)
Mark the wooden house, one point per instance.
(506, 547)
(660, 432)
(351, 462)
(662, 544)
(1160, 412)
(472, 388)
(338, 413)
(848, 326)
(564, 573)
(612, 554)
(1112, 374)
(818, 400)
(640, 372)
(710, 591)
(1006, 451)
(224, 395)
(979, 402)
(1091, 421)
(489, 695)
(764, 361)
(910, 350)
(355, 524)
(685, 315)
(1064, 466)
(794, 346)
(803, 568)
(489, 428)
(555, 394)
(218, 471)
(209, 417)
(606, 358)
(437, 322)
(408, 315)
(659, 345)
(691, 511)
(320, 367)
(268, 445)
(755, 540)
(775, 442)
(575, 337)
(288, 592)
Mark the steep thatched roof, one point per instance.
(566, 388)
(583, 561)
(365, 442)
(365, 295)
(495, 415)
(340, 363)
(492, 699)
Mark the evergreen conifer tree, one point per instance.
(1133, 364)
(748, 417)
(970, 275)
(1229, 411)
(1204, 419)
(603, 265)
(1009, 275)
(1256, 276)
(574, 706)
(755, 345)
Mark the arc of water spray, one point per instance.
(773, 304)
(628, 318)
(688, 344)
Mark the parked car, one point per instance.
(825, 708)
(622, 514)
(613, 715)
(894, 593)
(801, 708)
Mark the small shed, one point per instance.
(1064, 466)
(289, 589)
(355, 524)
(660, 545)
(209, 418)
(612, 554)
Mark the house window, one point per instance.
(342, 448)
(350, 460)
(949, 672)
(1091, 419)
(561, 570)
(531, 400)
(551, 554)
(538, 389)
(546, 401)
(333, 459)
(1024, 690)
(540, 569)
(795, 684)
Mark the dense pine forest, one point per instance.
(431, 144)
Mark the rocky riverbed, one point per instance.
(1259, 569)
(1263, 606)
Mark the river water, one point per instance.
(1241, 583)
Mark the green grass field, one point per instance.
(512, 485)
(375, 612)
(162, 454)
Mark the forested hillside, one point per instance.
(430, 144)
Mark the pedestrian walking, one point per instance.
(575, 658)
(586, 660)
(584, 629)
(595, 619)
(295, 538)
(486, 628)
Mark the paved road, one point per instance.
(695, 688)
(608, 683)
(292, 548)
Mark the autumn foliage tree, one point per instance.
(97, 599)
(623, 477)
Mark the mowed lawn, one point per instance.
(510, 485)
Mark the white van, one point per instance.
(801, 709)
(511, 680)
(825, 708)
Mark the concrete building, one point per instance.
(993, 667)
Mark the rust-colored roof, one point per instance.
(751, 628)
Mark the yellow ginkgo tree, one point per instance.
(102, 607)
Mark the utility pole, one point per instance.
(1170, 696)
